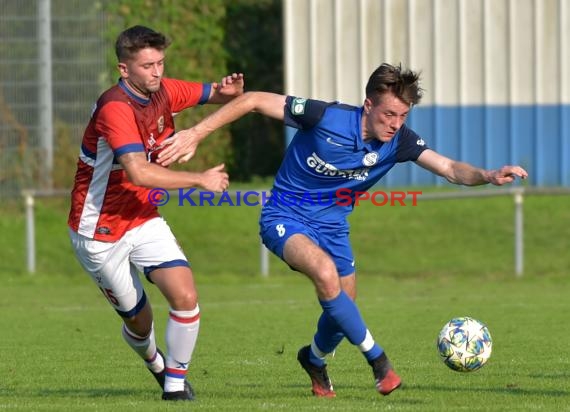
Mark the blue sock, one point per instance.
(328, 335)
(344, 312)
(373, 353)
(327, 338)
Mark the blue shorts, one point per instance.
(276, 228)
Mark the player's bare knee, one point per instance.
(184, 301)
(327, 292)
(327, 284)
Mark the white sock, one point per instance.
(181, 335)
(145, 347)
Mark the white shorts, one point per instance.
(114, 266)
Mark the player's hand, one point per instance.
(215, 179)
(231, 85)
(182, 147)
(507, 174)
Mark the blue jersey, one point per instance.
(327, 161)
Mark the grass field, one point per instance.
(62, 350)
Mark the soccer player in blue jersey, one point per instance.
(336, 147)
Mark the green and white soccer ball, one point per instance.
(464, 344)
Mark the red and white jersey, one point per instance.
(104, 203)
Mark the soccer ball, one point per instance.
(464, 344)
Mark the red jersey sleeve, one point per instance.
(116, 123)
(184, 94)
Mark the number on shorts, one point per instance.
(110, 297)
(280, 229)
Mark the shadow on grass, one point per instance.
(88, 393)
(302, 392)
(561, 375)
(509, 389)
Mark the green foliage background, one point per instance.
(210, 39)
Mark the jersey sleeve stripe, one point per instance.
(205, 93)
(128, 148)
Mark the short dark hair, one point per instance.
(403, 83)
(137, 38)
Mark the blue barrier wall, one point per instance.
(535, 137)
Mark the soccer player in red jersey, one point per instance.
(115, 228)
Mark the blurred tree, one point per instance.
(254, 32)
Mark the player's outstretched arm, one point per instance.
(183, 144)
(462, 173)
(143, 173)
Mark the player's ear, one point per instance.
(123, 70)
(367, 105)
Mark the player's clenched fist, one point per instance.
(215, 179)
